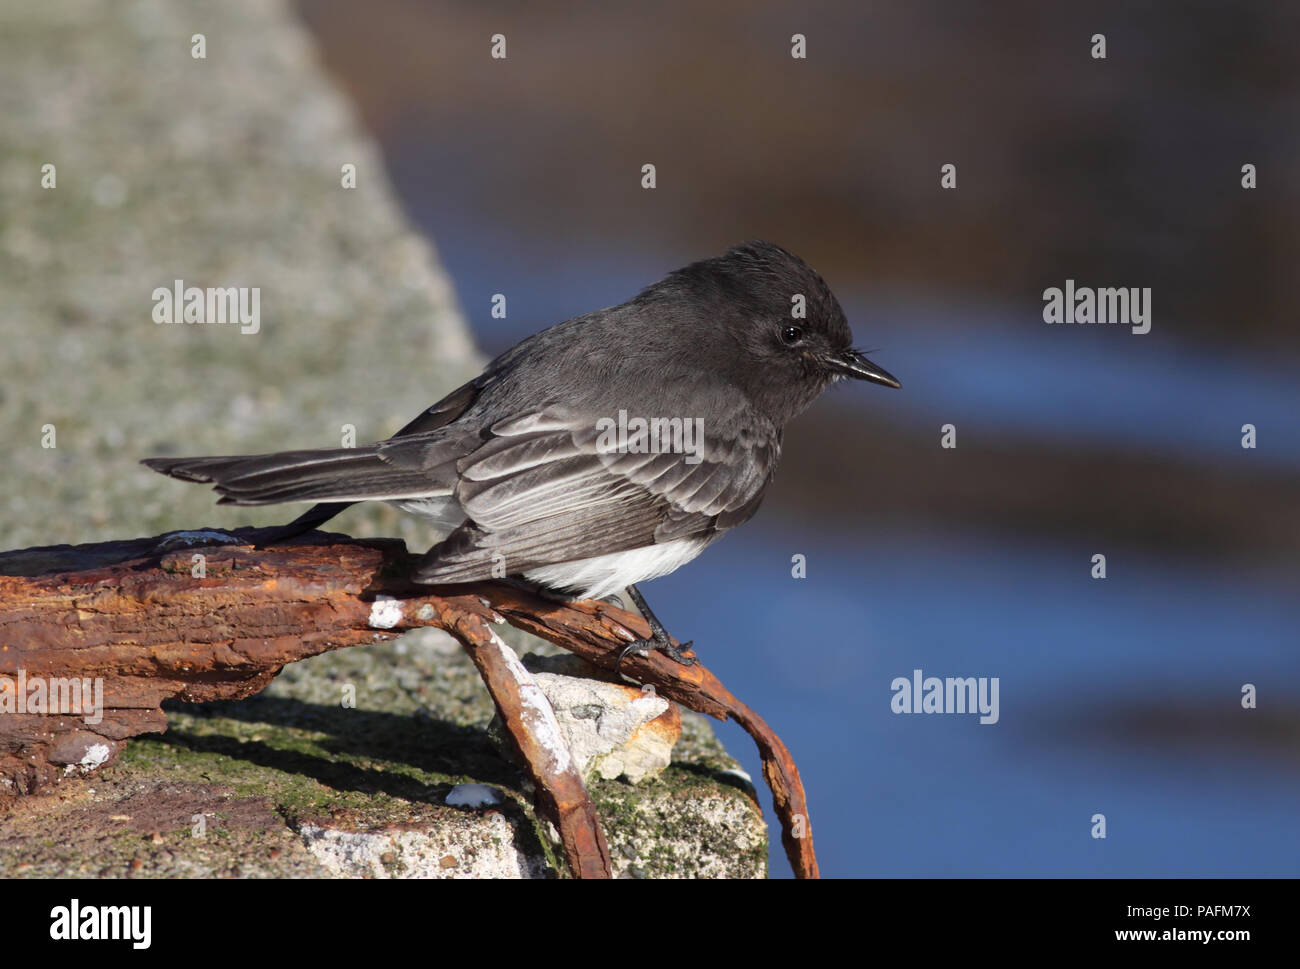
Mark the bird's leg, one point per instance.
(658, 638)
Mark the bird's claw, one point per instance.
(678, 653)
(642, 647)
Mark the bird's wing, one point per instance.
(553, 487)
(446, 410)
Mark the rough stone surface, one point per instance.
(483, 848)
(226, 172)
(613, 730)
(221, 172)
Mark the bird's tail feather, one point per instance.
(336, 474)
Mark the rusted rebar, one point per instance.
(176, 616)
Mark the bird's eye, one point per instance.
(791, 335)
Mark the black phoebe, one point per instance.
(599, 453)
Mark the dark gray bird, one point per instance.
(602, 452)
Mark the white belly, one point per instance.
(603, 575)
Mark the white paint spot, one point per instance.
(737, 772)
(95, 755)
(536, 709)
(473, 795)
(385, 612)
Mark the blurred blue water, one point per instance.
(1003, 370)
(897, 794)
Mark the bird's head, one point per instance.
(789, 334)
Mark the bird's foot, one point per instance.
(661, 642)
(658, 638)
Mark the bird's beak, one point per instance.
(850, 363)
